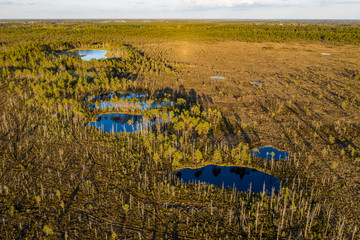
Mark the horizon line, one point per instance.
(182, 19)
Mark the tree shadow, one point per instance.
(229, 127)
(191, 97)
(242, 130)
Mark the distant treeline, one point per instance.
(198, 31)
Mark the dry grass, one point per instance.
(308, 104)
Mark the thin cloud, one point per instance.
(332, 2)
(211, 4)
(136, 3)
(6, 2)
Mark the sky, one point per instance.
(180, 9)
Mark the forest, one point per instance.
(62, 176)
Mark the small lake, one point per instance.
(241, 178)
(112, 96)
(87, 55)
(141, 105)
(219, 78)
(121, 122)
(269, 153)
(326, 54)
(256, 83)
(118, 122)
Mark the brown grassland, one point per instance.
(308, 102)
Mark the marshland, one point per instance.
(252, 103)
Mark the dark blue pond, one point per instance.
(87, 55)
(269, 153)
(118, 122)
(239, 177)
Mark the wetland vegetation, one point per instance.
(63, 178)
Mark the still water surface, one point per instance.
(119, 122)
(87, 55)
(241, 178)
(269, 153)
(141, 105)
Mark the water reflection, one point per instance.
(239, 177)
(141, 105)
(220, 78)
(112, 96)
(270, 153)
(216, 171)
(256, 83)
(87, 55)
(118, 122)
